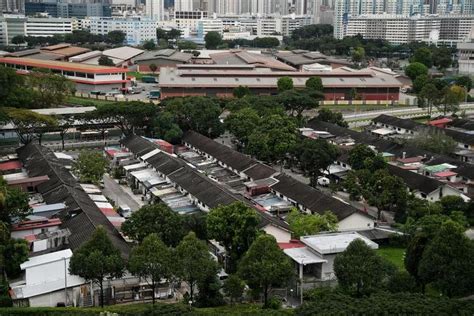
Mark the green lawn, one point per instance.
(86, 101)
(393, 254)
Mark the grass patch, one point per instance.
(395, 255)
(145, 309)
(86, 101)
(139, 75)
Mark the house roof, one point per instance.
(397, 122)
(303, 255)
(10, 165)
(46, 258)
(169, 54)
(123, 53)
(310, 198)
(334, 242)
(61, 65)
(242, 57)
(36, 224)
(443, 120)
(384, 145)
(304, 57)
(82, 216)
(415, 181)
(228, 156)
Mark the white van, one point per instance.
(125, 210)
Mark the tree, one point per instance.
(200, 114)
(65, 123)
(18, 39)
(174, 34)
(296, 102)
(447, 261)
(29, 124)
(10, 82)
(153, 67)
(14, 203)
(194, 262)
(265, 266)
(106, 61)
(359, 270)
(151, 260)
(413, 256)
(165, 127)
(285, 84)
(424, 56)
(358, 54)
(314, 84)
(235, 226)
(311, 224)
(359, 155)
(442, 58)
(452, 97)
(101, 121)
(187, 45)
(155, 218)
(402, 282)
(434, 140)
(429, 96)
(90, 166)
(128, 116)
(212, 40)
(234, 287)
(315, 157)
(242, 124)
(273, 139)
(149, 45)
(416, 69)
(96, 260)
(241, 91)
(116, 37)
(50, 89)
(464, 81)
(329, 116)
(419, 83)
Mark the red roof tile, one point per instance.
(10, 165)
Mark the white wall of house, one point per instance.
(327, 270)
(356, 221)
(280, 235)
(20, 234)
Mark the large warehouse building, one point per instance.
(221, 80)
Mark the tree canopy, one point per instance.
(235, 226)
(158, 219)
(96, 260)
(90, 166)
(265, 266)
(212, 40)
(311, 224)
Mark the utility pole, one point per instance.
(65, 281)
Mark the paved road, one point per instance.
(396, 112)
(117, 193)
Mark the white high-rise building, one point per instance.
(155, 9)
(184, 5)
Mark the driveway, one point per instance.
(120, 194)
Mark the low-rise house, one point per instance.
(313, 256)
(47, 281)
(161, 58)
(34, 226)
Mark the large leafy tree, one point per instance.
(416, 69)
(235, 226)
(165, 127)
(106, 61)
(13, 203)
(311, 224)
(285, 84)
(156, 218)
(448, 261)
(234, 287)
(361, 157)
(90, 166)
(200, 114)
(265, 266)
(116, 37)
(329, 116)
(151, 260)
(315, 156)
(442, 58)
(194, 262)
(50, 89)
(128, 115)
(96, 260)
(429, 96)
(359, 270)
(212, 39)
(424, 56)
(29, 124)
(273, 139)
(314, 84)
(434, 140)
(296, 101)
(242, 124)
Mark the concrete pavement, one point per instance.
(121, 194)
